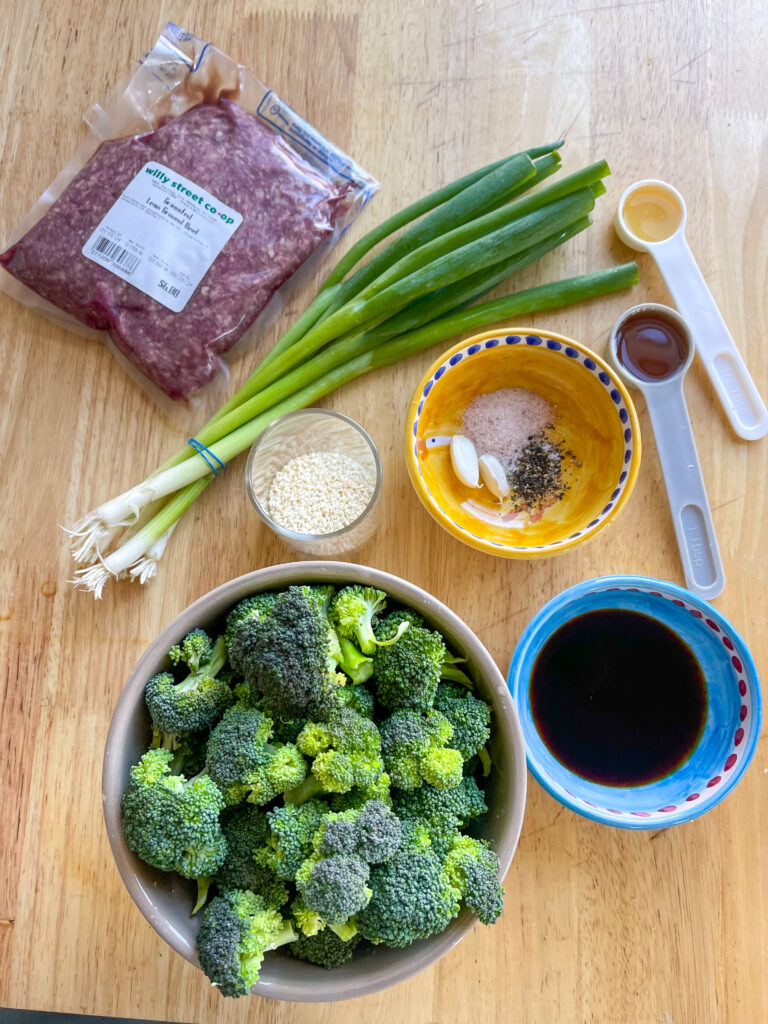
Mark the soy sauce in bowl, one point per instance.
(618, 697)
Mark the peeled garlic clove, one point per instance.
(494, 476)
(464, 459)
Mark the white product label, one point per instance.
(162, 235)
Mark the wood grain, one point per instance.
(599, 925)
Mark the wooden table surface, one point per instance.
(600, 925)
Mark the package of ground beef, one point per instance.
(182, 219)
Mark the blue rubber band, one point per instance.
(207, 454)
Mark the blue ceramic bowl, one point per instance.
(733, 718)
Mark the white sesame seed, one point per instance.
(320, 493)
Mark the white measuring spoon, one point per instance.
(695, 531)
(727, 370)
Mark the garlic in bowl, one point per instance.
(557, 419)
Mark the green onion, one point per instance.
(588, 177)
(467, 230)
(445, 270)
(415, 315)
(418, 209)
(470, 203)
(308, 319)
(533, 300)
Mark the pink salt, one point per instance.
(500, 422)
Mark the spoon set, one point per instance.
(652, 347)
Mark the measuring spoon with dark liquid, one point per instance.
(651, 348)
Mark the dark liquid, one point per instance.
(618, 698)
(650, 346)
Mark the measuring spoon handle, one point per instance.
(727, 370)
(702, 565)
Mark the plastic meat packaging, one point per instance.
(185, 215)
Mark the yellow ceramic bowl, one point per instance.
(594, 417)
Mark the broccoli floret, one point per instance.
(352, 613)
(404, 615)
(334, 887)
(257, 606)
(283, 730)
(346, 751)
(357, 798)
(171, 822)
(246, 830)
(188, 749)
(332, 881)
(454, 807)
(201, 698)
(373, 832)
(470, 718)
(244, 765)
(473, 868)
(337, 833)
(407, 673)
(290, 842)
(290, 657)
(286, 732)
(238, 928)
(193, 651)
(413, 896)
(324, 948)
(356, 665)
(358, 698)
(321, 594)
(309, 922)
(415, 749)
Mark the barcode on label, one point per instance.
(116, 254)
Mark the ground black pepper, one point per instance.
(536, 478)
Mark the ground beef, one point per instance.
(288, 208)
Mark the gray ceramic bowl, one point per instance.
(166, 900)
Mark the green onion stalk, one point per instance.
(421, 290)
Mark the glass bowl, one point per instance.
(301, 433)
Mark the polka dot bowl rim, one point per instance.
(723, 777)
(559, 346)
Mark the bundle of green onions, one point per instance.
(416, 292)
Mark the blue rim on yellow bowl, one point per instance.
(734, 711)
(548, 360)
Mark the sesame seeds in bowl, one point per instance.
(314, 477)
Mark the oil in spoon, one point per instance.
(652, 213)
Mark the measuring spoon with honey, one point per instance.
(651, 348)
(651, 218)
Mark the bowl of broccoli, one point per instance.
(314, 782)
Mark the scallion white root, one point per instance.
(143, 549)
(146, 567)
(95, 577)
(89, 538)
